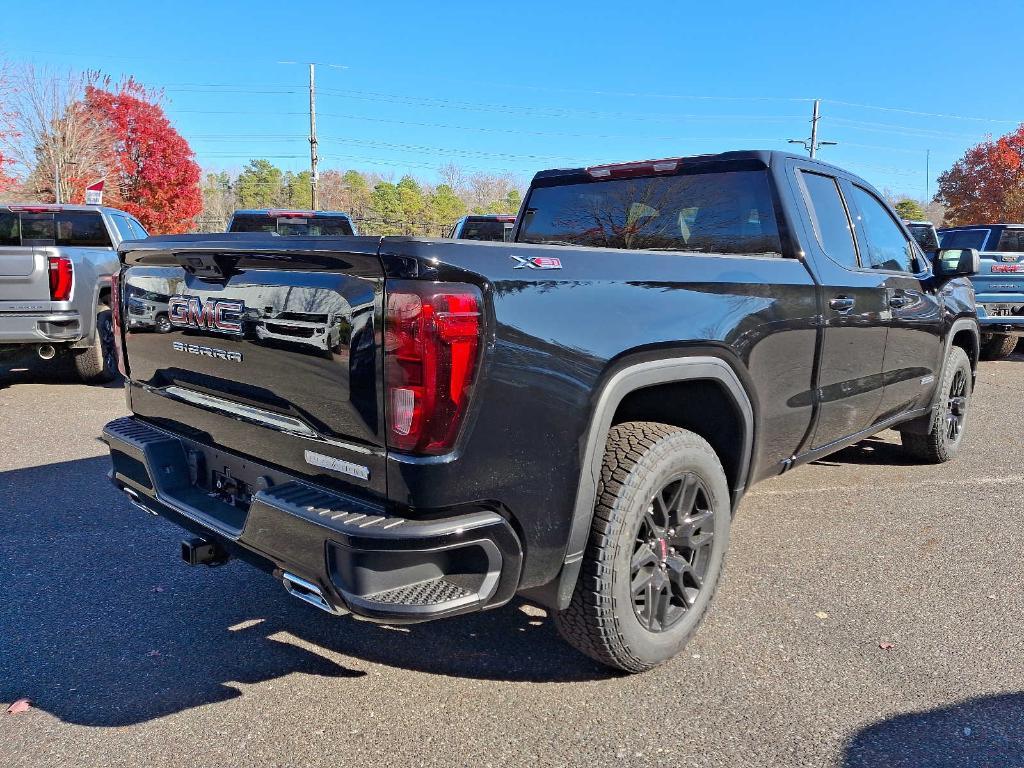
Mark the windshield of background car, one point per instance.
(717, 212)
(963, 238)
(925, 237)
(486, 229)
(311, 226)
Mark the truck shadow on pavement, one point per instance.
(871, 451)
(28, 370)
(986, 731)
(101, 624)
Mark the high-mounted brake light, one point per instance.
(432, 339)
(626, 170)
(35, 208)
(290, 214)
(115, 313)
(61, 278)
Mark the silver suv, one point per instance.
(56, 263)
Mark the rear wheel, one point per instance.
(658, 540)
(97, 363)
(998, 346)
(946, 432)
(163, 324)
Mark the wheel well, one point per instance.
(702, 406)
(968, 342)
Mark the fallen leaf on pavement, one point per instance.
(821, 615)
(21, 705)
(886, 646)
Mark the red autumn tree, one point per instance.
(986, 185)
(153, 174)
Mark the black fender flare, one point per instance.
(922, 424)
(624, 381)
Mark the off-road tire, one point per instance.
(600, 620)
(97, 363)
(938, 445)
(998, 346)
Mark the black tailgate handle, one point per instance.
(209, 266)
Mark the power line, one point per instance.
(947, 115)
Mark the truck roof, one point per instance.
(288, 212)
(978, 226)
(31, 207)
(757, 158)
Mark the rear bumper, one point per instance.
(360, 558)
(988, 306)
(40, 327)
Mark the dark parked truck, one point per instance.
(573, 417)
(999, 284)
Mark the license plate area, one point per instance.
(230, 490)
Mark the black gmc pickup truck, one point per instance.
(408, 428)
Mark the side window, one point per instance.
(140, 231)
(964, 238)
(82, 229)
(882, 240)
(831, 221)
(10, 229)
(124, 229)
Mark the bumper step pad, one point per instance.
(355, 555)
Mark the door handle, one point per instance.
(841, 303)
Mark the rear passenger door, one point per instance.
(913, 348)
(854, 310)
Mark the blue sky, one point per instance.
(524, 86)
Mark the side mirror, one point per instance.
(953, 262)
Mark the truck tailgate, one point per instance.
(23, 274)
(262, 353)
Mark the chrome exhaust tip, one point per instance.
(308, 592)
(46, 351)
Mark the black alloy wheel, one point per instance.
(672, 552)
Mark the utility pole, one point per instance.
(312, 138)
(815, 117)
(927, 174)
(56, 172)
(812, 145)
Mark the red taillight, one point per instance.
(61, 278)
(115, 313)
(432, 336)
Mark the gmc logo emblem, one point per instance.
(215, 315)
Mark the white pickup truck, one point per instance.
(55, 268)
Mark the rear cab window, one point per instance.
(486, 229)
(292, 226)
(10, 228)
(75, 229)
(713, 211)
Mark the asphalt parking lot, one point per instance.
(870, 616)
